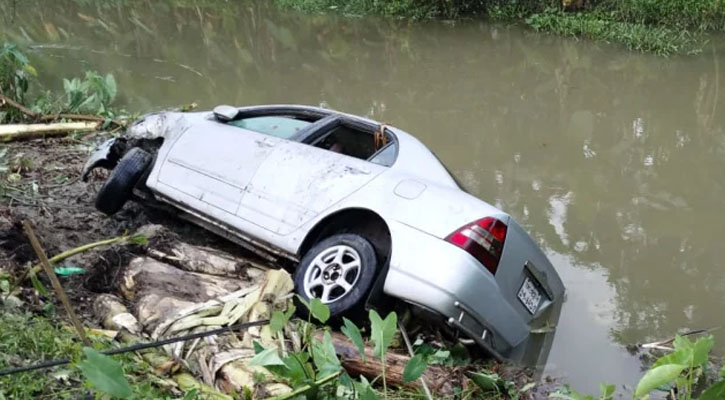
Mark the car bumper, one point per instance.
(432, 273)
(105, 155)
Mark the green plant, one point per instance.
(680, 368)
(104, 373)
(15, 72)
(677, 371)
(316, 369)
(94, 94)
(382, 334)
(567, 393)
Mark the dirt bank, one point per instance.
(43, 187)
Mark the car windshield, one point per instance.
(281, 127)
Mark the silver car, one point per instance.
(363, 209)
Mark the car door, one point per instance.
(210, 165)
(298, 181)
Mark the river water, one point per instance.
(612, 160)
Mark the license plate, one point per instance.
(529, 295)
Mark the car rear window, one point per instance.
(281, 127)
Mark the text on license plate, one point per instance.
(529, 295)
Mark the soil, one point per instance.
(47, 191)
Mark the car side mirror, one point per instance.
(225, 113)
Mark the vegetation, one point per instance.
(659, 26)
(92, 95)
(28, 338)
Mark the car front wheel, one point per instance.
(120, 183)
(339, 271)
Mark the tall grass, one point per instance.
(660, 26)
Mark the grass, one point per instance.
(413, 9)
(659, 26)
(27, 338)
(635, 36)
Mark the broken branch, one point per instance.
(78, 117)
(13, 132)
(438, 377)
(12, 103)
(56, 283)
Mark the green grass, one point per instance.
(26, 339)
(659, 26)
(635, 36)
(413, 9)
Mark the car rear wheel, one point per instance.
(119, 186)
(339, 271)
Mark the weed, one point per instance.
(599, 26)
(660, 26)
(16, 73)
(26, 339)
(677, 372)
(93, 94)
(414, 9)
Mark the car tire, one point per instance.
(321, 272)
(119, 186)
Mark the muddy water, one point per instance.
(612, 160)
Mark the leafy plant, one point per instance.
(353, 333)
(680, 368)
(567, 393)
(382, 334)
(94, 94)
(105, 374)
(15, 72)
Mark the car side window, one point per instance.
(360, 144)
(386, 156)
(279, 126)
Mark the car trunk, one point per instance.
(526, 277)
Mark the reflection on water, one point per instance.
(612, 160)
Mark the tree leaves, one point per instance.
(104, 373)
(382, 331)
(353, 333)
(657, 377)
(414, 368)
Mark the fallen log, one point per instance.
(441, 380)
(13, 132)
(208, 261)
(146, 275)
(79, 117)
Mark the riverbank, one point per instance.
(662, 27)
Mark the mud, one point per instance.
(45, 189)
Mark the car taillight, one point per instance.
(483, 239)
